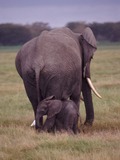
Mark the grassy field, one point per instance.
(101, 142)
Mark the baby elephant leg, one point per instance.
(68, 125)
(75, 126)
(49, 124)
(71, 123)
(58, 125)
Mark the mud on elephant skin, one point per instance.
(58, 63)
(61, 115)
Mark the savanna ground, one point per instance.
(101, 142)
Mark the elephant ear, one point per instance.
(89, 37)
(54, 108)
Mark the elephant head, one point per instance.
(49, 107)
(89, 46)
(88, 43)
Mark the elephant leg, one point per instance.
(68, 123)
(86, 91)
(76, 96)
(75, 129)
(58, 125)
(75, 125)
(32, 94)
(49, 124)
(69, 129)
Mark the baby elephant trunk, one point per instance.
(38, 124)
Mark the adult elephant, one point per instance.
(58, 63)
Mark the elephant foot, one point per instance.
(87, 126)
(88, 122)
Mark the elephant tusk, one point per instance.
(33, 124)
(93, 88)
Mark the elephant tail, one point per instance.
(38, 68)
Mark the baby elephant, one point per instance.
(61, 115)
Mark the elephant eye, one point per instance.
(43, 108)
(41, 112)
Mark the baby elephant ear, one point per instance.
(89, 37)
(54, 108)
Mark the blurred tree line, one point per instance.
(15, 34)
(108, 31)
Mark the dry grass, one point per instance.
(102, 141)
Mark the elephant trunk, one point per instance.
(86, 91)
(38, 122)
(87, 86)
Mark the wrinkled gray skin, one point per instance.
(57, 63)
(61, 115)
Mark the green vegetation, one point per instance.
(101, 142)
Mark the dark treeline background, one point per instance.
(16, 34)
